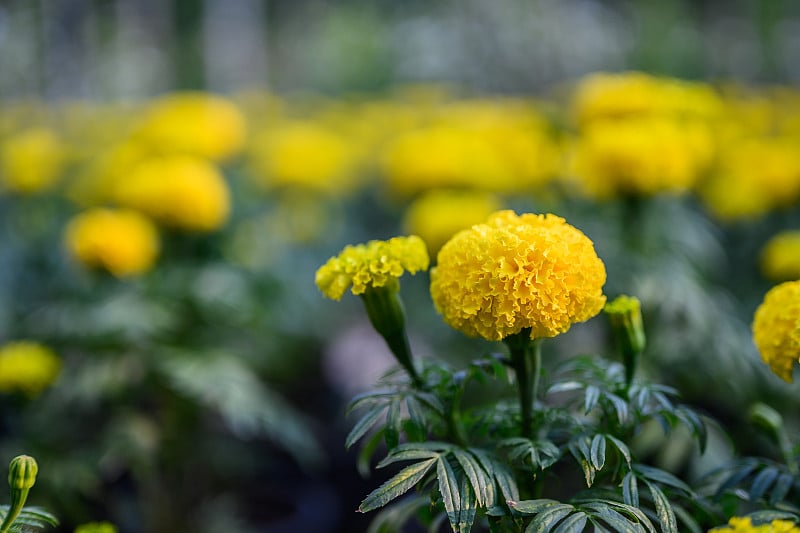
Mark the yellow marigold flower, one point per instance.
(31, 161)
(641, 156)
(745, 525)
(375, 264)
(780, 257)
(776, 328)
(122, 241)
(181, 191)
(194, 123)
(516, 272)
(306, 155)
(438, 215)
(27, 367)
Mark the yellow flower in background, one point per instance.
(179, 190)
(745, 525)
(194, 123)
(374, 264)
(753, 176)
(641, 156)
(438, 215)
(516, 272)
(307, 155)
(776, 328)
(780, 257)
(606, 95)
(96, 527)
(121, 241)
(95, 181)
(27, 367)
(31, 161)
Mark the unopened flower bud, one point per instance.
(765, 416)
(625, 316)
(22, 472)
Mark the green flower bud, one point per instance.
(625, 316)
(22, 472)
(765, 416)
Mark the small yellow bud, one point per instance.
(625, 316)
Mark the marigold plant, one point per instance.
(776, 328)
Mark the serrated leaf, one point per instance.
(782, 487)
(456, 497)
(432, 401)
(394, 517)
(407, 454)
(417, 418)
(482, 484)
(763, 481)
(532, 507)
(364, 424)
(663, 477)
(397, 485)
(367, 397)
(501, 474)
(598, 451)
(630, 490)
(367, 451)
(392, 434)
(544, 521)
(591, 396)
(622, 447)
(573, 523)
(633, 512)
(664, 513)
(619, 522)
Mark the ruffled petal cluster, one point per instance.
(374, 264)
(516, 272)
(745, 525)
(776, 328)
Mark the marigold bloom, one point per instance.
(181, 191)
(27, 367)
(440, 214)
(776, 328)
(516, 272)
(375, 264)
(194, 123)
(122, 241)
(31, 161)
(780, 257)
(745, 525)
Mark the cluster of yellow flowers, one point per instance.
(776, 328)
(516, 272)
(745, 525)
(27, 367)
(375, 264)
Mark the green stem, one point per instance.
(18, 498)
(526, 360)
(786, 449)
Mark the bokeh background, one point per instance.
(174, 172)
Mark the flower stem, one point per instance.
(526, 360)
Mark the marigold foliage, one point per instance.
(745, 525)
(121, 241)
(181, 191)
(516, 272)
(27, 367)
(776, 328)
(780, 257)
(374, 264)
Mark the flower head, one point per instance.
(31, 161)
(122, 241)
(776, 328)
(375, 264)
(516, 272)
(27, 367)
(780, 257)
(745, 525)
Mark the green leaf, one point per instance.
(664, 478)
(763, 517)
(482, 484)
(782, 487)
(457, 497)
(622, 447)
(397, 485)
(533, 506)
(633, 512)
(580, 450)
(747, 467)
(500, 472)
(432, 401)
(392, 434)
(564, 386)
(616, 520)
(417, 419)
(368, 397)
(544, 521)
(393, 518)
(695, 423)
(598, 451)
(763, 481)
(664, 512)
(592, 394)
(630, 490)
(691, 525)
(407, 454)
(620, 406)
(573, 523)
(366, 453)
(364, 424)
